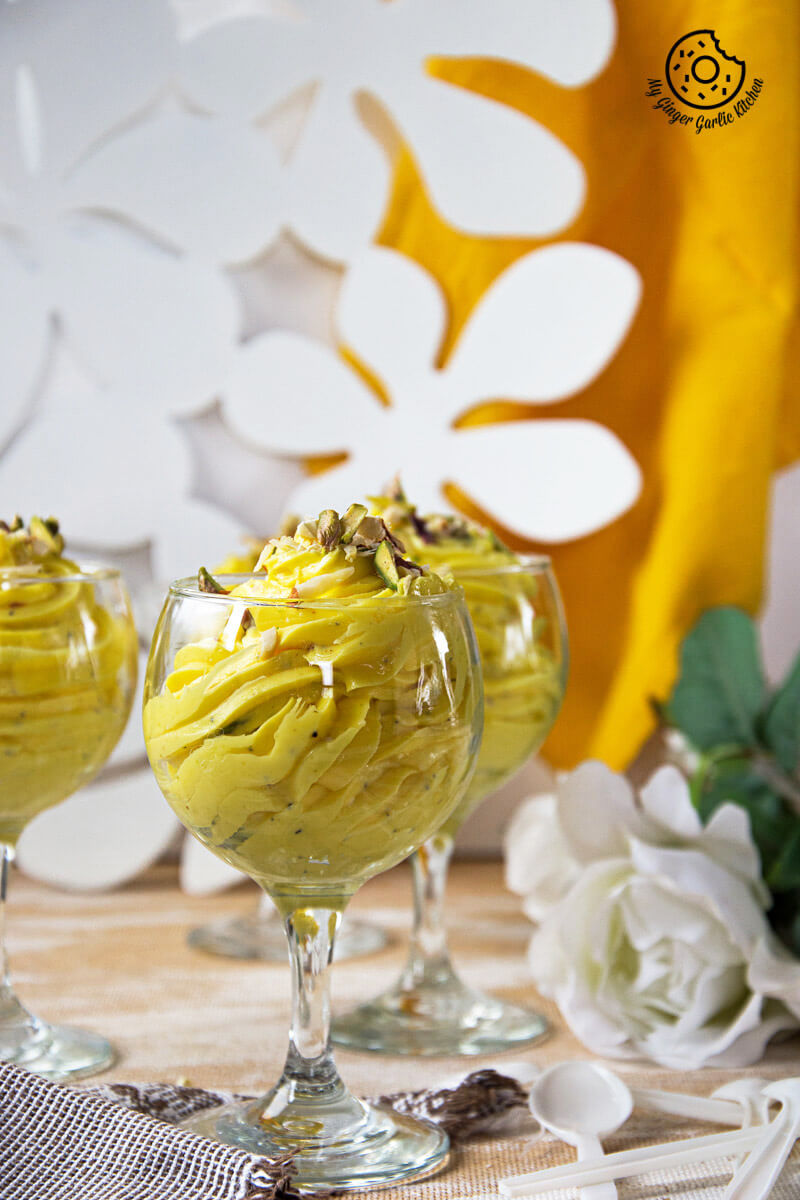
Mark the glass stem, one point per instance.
(428, 962)
(311, 933)
(5, 871)
(310, 1099)
(16, 1023)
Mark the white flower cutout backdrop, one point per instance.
(488, 169)
(137, 473)
(147, 166)
(133, 178)
(542, 331)
(116, 206)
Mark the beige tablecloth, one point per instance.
(119, 963)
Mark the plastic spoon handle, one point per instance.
(590, 1149)
(679, 1104)
(627, 1163)
(755, 1178)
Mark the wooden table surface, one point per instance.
(119, 963)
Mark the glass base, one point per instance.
(380, 1148)
(57, 1052)
(262, 936)
(441, 1018)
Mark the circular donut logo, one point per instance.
(700, 73)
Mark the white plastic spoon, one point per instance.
(754, 1180)
(721, 1111)
(626, 1164)
(725, 1107)
(748, 1094)
(580, 1103)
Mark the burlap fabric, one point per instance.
(62, 1144)
(119, 1141)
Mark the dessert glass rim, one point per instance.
(88, 573)
(524, 565)
(190, 589)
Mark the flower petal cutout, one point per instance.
(245, 66)
(90, 65)
(294, 396)
(337, 179)
(488, 169)
(547, 326)
(205, 185)
(394, 339)
(567, 43)
(135, 477)
(24, 336)
(551, 480)
(165, 326)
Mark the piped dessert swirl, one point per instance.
(516, 626)
(67, 668)
(326, 722)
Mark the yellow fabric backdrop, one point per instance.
(704, 392)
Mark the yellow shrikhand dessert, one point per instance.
(523, 676)
(326, 728)
(67, 669)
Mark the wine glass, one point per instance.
(68, 657)
(517, 614)
(313, 744)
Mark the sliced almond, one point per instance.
(320, 583)
(239, 620)
(267, 643)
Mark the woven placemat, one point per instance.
(121, 1141)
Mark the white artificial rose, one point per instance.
(539, 865)
(775, 972)
(661, 947)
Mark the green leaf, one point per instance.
(784, 873)
(720, 692)
(782, 721)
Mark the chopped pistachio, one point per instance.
(370, 532)
(385, 564)
(207, 583)
(44, 539)
(329, 529)
(351, 521)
